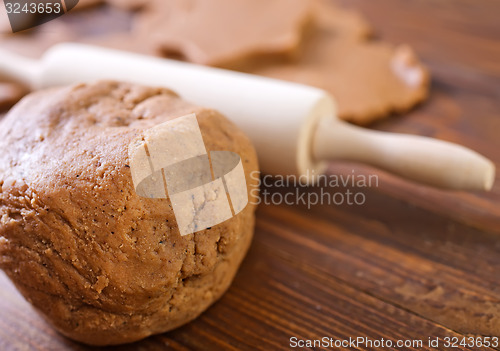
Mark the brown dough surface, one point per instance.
(33, 43)
(334, 20)
(10, 94)
(369, 79)
(132, 4)
(102, 264)
(220, 32)
(122, 41)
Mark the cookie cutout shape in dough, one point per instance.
(369, 79)
(121, 41)
(331, 20)
(219, 32)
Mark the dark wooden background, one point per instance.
(412, 263)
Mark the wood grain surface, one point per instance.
(411, 263)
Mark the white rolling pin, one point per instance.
(293, 127)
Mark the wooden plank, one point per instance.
(438, 268)
(458, 34)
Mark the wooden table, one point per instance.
(411, 263)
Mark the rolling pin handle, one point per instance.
(19, 69)
(425, 160)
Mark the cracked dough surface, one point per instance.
(102, 264)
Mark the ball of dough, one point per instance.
(102, 264)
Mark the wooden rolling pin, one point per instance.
(294, 127)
